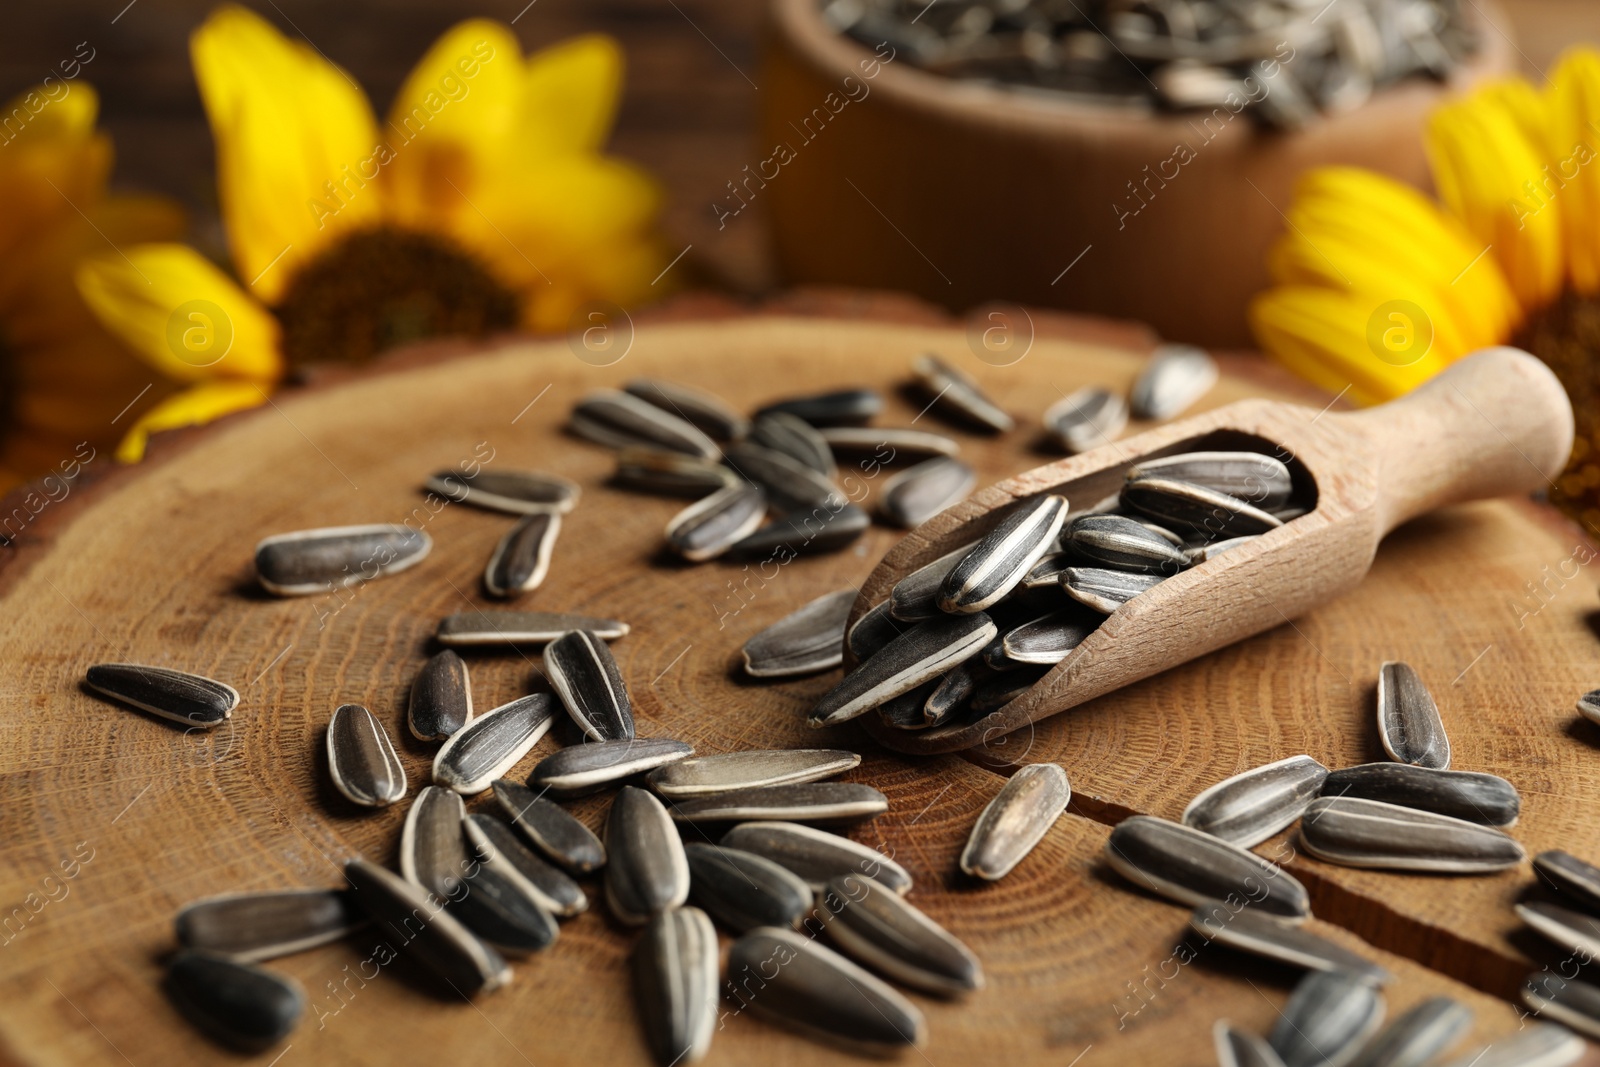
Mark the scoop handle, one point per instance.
(1495, 423)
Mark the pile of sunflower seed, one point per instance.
(1284, 60)
(1567, 914)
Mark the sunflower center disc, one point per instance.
(1566, 336)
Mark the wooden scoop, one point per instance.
(1495, 423)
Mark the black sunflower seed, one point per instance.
(491, 744)
(924, 652)
(471, 629)
(441, 698)
(1263, 935)
(621, 420)
(502, 913)
(1185, 506)
(1468, 795)
(742, 890)
(953, 691)
(261, 926)
(848, 407)
(522, 558)
(584, 674)
(795, 438)
(1002, 558)
(1578, 881)
(1326, 1020)
(1572, 1004)
(675, 974)
(1047, 640)
(1175, 377)
(707, 775)
(916, 494)
(1420, 1035)
(873, 630)
(1257, 479)
(1571, 930)
(239, 1005)
(1106, 590)
(1183, 864)
(816, 855)
(580, 769)
(647, 872)
(551, 828)
(426, 931)
(803, 642)
(1238, 1048)
(957, 396)
(714, 524)
(889, 444)
(1369, 833)
(362, 759)
(1125, 544)
(1589, 705)
(496, 844)
(1540, 1045)
(905, 712)
(1016, 820)
(513, 492)
(185, 698)
(1252, 806)
(654, 470)
(704, 411)
(433, 853)
(790, 485)
(319, 561)
(880, 929)
(823, 529)
(916, 596)
(805, 802)
(1408, 720)
(1086, 419)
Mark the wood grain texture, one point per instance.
(153, 564)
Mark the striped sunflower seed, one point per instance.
(1589, 705)
(491, 744)
(790, 485)
(846, 407)
(1540, 1045)
(496, 844)
(513, 492)
(1572, 1004)
(1574, 879)
(925, 651)
(654, 470)
(362, 759)
(1156, 528)
(441, 943)
(1418, 1037)
(475, 629)
(1468, 795)
(707, 775)
(953, 691)
(881, 930)
(704, 411)
(820, 993)
(803, 642)
(1238, 1048)
(1003, 558)
(1257, 479)
(903, 444)
(1016, 820)
(441, 698)
(1183, 864)
(1106, 590)
(823, 529)
(742, 890)
(816, 855)
(905, 712)
(1186, 506)
(995, 693)
(498, 909)
(675, 974)
(1326, 1020)
(551, 828)
(522, 558)
(916, 596)
(1262, 935)
(1047, 572)
(873, 630)
(1369, 833)
(957, 396)
(237, 1004)
(1047, 640)
(916, 494)
(1574, 931)
(1408, 720)
(1250, 807)
(1175, 377)
(621, 420)
(319, 561)
(185, 698)
(433, 853)
(710, 526)
(581, 769)
(1124, 544)
(647, 873)
(797, 439)
(251, 927)
(584, 674)
(828, 802)
(1086, 419)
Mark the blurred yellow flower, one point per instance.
(483, 203)
(1379, 287)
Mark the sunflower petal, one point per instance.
(194, 406)
(1574, 107)
(570, 96)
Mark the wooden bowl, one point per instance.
(964, 193)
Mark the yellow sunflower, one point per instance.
(1379, 287)
(483, 203)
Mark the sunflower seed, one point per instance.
(1574, 931)
(804, 641)
(1191, 867)
(433, 855)
(186, 698)
(1326, 1020)
(1200, 553)
(923, 652)
(319, 561)
(710, 526)
(916, 596)
(1578, 881)
(261, 926)
(441, 698)
(1003, 558)
(790, 485)
(620, 420)
(490, 745)
(1420, 1035)
(1124, 544)
(992, 695)
(245, 1007)
(1257, 479)
(1408, 720)
(847, 407)
(823, 529)
(1540, 1045)
(551, 828)
(499, 910)
(496, 844)
(1175, 377)
(795, 438)
(1047, 640)
(1160, 531)
(675, 973)
(1106, 590)
(1086, 419)
(1016, 820)
(514, 492)
(816, 855)
(424, 929)
(584, 674)
(472, 629)
(1572, 1004)
(654, 470)
(1236, 1048)
(957, 395)
(880, 929)
(873, 630)
(647, 872)
(1469, 795)
(704, 411)
(1248, 808)
(362, 759)
(905, 712)
(916, 494)
(580, 769)
(1047, 572)
(1186, 506)
(1262, 935)
(799, 802)
(707, 775)
(742, 890)
(953, 692)
(1589, 705)
(1369, 833)
(521, 559)
(903, 444)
